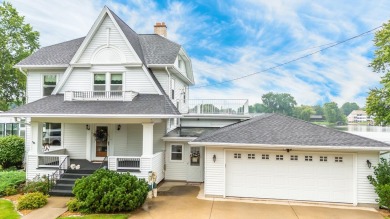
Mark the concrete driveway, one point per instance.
(181, 202)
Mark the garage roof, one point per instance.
(276, 129)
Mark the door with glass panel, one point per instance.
(101, 141)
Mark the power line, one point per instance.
(293, 60)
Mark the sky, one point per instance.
(228, 39)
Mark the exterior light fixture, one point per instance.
(214, 158)
(288, 150)
(119, 127)
(87, 127)
(368, 164)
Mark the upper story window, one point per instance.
(116, 82)
(99, 82)
(172, 89)
(49, 83)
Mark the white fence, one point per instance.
(100, 95)
(216, 106)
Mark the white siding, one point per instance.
(162, 77)
(365, 191)
(75, 140)
(137, 80)
(134, 140)
(100, 39)
(159, 130)
(176, 170)
(79, 80)
(119, 141)
(158, 166)
(34, 87)
(28, 138)
(31, 168)
(180, 87)
(214, 183)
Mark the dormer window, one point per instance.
(99, 82)
(116, 82)
(49, 83)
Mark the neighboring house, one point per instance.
(10, 126)
(358, 116)
(120, 97)
(316, 118)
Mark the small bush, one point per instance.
(73, 205)
(107, 191)
(381, 182)
(11, 151)
(10, 191)
(11, 179)
(39, 184)
(32, 201)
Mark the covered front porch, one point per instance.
(124, 145)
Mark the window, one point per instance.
(99, 82)
(237, 155)
(116, 82)
(2, 129)
(184, 94)
(323, 158)
(338, 159)
(176, 152)
(172, 89)
(265, 156)
(279, 157)
(51, 134)
(49, 83)
(251, 156)
(11, 129)
(309, 158)
(294, 157)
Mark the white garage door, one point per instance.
(294, 175)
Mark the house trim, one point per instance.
(143, 116)
(283, 147)
(60, 66)
(178, 139)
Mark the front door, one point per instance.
(195, 164)
(101, 141)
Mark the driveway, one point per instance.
(181, 202)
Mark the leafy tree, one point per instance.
(348, 107)
(257, 108)
(303, 112)
(17, 41)
(318, 110)
(332, 113)
(279, 103)
(378, 100)
(381, 182)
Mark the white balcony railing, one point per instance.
(53, 161)
(214, 106)
(100, 95)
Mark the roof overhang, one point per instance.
(216, 116)
(129, 116)
(178, 139)
(172, 67)
(299, 147)
(60, 66)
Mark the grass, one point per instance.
(103, 216)
(11, 178)
(7, 210)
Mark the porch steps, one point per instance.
(65, 185)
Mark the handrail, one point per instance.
(104, 160)
(52, 180)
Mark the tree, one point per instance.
(332, 113)
(378, 100)
(303, 112)
(279, 103)
(17, 41)
(257, 108)
(318, 110)
(348, 107)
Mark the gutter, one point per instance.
(123, 116)
(283, 147)
(23, 72)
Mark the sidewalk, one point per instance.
(54, 208)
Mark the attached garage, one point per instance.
(295, 175)
(278, 157)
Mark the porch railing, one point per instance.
(100, 95)
(214, 106)
(53, 161)
(128, 163)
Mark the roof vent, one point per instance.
(160, 29)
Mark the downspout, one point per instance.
(21, 70)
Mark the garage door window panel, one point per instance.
(309, 158)
(251, 156)
(323, 158)
(265, 156)
(176, 152)
(338, 159)
(294, 157)
(279, 157)
(237, 155)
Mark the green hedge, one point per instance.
(107, 191)
(11, 179)
(11, 151)
(32, 201)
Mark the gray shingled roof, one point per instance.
(141, 104)
(276, 129)
(58, 54)
(151, 48)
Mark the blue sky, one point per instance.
(230, 39)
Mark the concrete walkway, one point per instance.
(54, 208)
(180, 201)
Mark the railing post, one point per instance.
(246, 107)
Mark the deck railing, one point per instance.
(100, 95)
(128, 163)
(53, 161)
(214, 106)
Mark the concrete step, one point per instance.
(61, 192)
(66, 181)
(73, 175)
(80, 171)
(63, 186)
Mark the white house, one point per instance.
(357, 116)
(120, 99)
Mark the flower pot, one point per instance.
(150, 194)
(155, 192)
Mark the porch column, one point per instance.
(36, 138)
(147, 143)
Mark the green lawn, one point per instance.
(7, 210)
(104, 216)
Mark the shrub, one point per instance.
(11, 151)
(381, 182)
(73, 205)
(11, 179)
(32, 201)
(107, 191)
(11, 190)
(38, 184)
